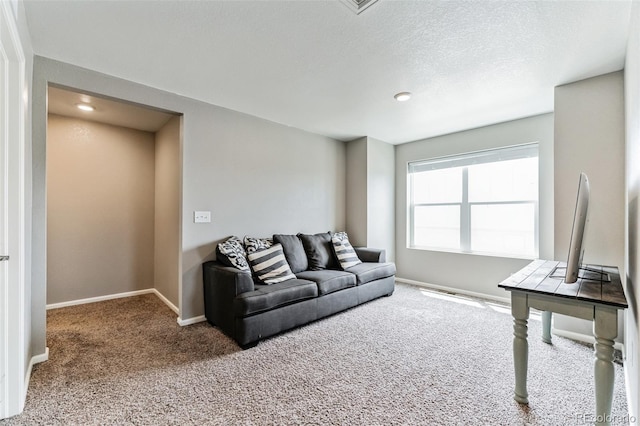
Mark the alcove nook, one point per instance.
(113, 182)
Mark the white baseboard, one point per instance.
(100, 298)
(190, 321)
(160, 296)
(585, 338)
(36, 359)
(166, 301)
(455, 290)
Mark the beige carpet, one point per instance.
(414, 358)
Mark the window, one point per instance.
(481, 202)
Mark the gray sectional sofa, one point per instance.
(248, 310)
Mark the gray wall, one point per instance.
(465, 272)
(255, 176)
(100, 204)
(168, 200)
(371, 194)
(381, 196)
(589, 137)
(632, 210)
(357, 196)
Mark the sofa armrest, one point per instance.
(232, 280)
(221, 286)
(371, 254)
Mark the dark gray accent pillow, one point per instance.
(319, 251)
(293, 251)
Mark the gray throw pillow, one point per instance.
(293, 251)
(319, 251)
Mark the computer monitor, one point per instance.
(575, 269)
(580, 219)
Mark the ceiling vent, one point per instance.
(358, 5)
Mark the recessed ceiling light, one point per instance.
(402, 96)
(86, 107)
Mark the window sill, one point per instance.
(475, 253)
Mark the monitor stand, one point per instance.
(585, 273)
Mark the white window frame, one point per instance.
(464, 160)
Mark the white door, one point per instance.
(12, 216)
(3, 241)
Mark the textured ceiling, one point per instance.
(318, 66)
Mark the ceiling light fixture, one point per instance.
(86, 107)
(402, 96)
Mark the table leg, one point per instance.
(520, 312)
(605, 329)
(546, 326)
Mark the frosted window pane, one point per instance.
(513, 180)
(508, 229)
(438, 186)
(437, 227)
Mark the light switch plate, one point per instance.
(201, 217)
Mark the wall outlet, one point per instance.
(201, 217)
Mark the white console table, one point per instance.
(536, 287)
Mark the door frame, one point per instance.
(13, 92)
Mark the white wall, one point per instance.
(589, 137)
(255, 176)
(473, 273)
(632, 210)
(100, 209)
(168, 199)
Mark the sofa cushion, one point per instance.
(366, 271)
(328, 280)
(231, 253)
(345, 253)
(267, 297)
(270, 265)
(293, 251)
(319, 251)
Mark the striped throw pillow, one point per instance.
(270, 265)
(344, 251)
